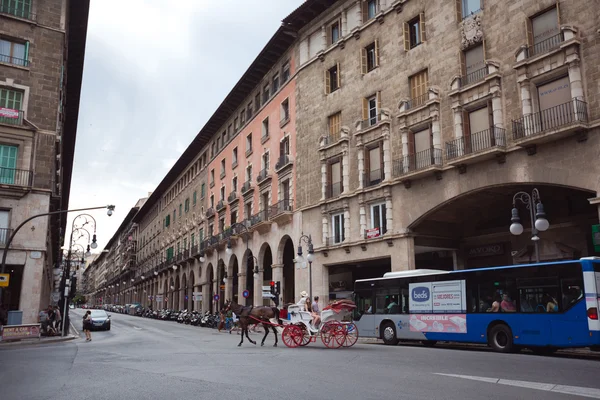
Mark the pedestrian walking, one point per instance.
(87, 326)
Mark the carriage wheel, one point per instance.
(292, 336)
(305, 336)
(349, 336)
(329, 333)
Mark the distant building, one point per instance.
(42, 45)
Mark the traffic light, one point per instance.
(277, 288)
(272, 287)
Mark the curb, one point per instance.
(29, 342)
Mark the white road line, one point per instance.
(548, 387)
(139, 329)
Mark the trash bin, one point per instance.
(15, 317)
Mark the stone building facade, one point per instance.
(42, 43)
(413, 126)
(442, 115)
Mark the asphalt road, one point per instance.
(148, 359)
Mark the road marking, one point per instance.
(548, 387)
(135, 327)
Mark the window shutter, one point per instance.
(364, 11)
(558, 14)
(363, 60)
(378, 99)
(27, 53)
(327, 82)
(365, 109)
(406, 37)
(282, 148)
(458, 7)
(422, 26)
(463, 65)
(376, 53)
(466, 132)
(529, 32)
(367, 160)
(339, 76)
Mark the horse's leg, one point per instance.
(266, 333)
(274, 333)
(242, 335)
(248, 337)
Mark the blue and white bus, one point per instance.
(542, 306)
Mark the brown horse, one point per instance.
(254, 315)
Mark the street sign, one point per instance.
(216, 297)
(197, 296)
(4, 278)
(246, 294)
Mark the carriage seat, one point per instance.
(297, 314)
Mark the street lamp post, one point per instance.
(310, 258)
(539, 223)
(110, 210)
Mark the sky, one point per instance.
(154, 73)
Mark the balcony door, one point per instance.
(8, 164)
(556, 108)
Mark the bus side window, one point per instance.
(538, 295)
(572, 292)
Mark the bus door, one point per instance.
(364, 314)
(591, 283)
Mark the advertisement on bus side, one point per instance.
(437, 297)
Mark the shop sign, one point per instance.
(197, 296)
(486, 251)
(13, 332)
(159, 298)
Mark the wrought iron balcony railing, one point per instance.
(373, 177)
(16, 177)
(283, 161)
(11, 117)
(475, 76)
(21, 9)
(476, 142)
(418, 161)
(574, 111)
(246, 186)
(262, 175)
(418, 101)
(7, 58)
(371, 121)
(4, 235)
(285, 205)
(545, 45)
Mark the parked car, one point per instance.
(100, 320)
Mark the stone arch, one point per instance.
(248, 266)
(184, 290)
(209, 283)
(286, 253)
(221, 268)
(191, 290)
(436, 203)
(233, 270)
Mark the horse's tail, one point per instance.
(276, 311)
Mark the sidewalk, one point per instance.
(73, 334)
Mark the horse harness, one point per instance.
(246, 311)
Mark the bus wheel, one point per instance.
(429, 343)
(388, 333)
(500, 339)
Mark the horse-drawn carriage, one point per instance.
(336, 329)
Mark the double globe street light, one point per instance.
(539, 223)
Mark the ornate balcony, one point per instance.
(9, 116)
(416, 165)
(263, 176)
(221, 205)
(210, 212)
(15, 177)
(551, 124)
(476, 147)
(282, 212)
(283, 162)
(233, 197)
(22, 10)
(260, 221)
(247, 187)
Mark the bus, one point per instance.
(543, 307)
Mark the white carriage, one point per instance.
(336, 328)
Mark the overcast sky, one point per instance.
(155, 71)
